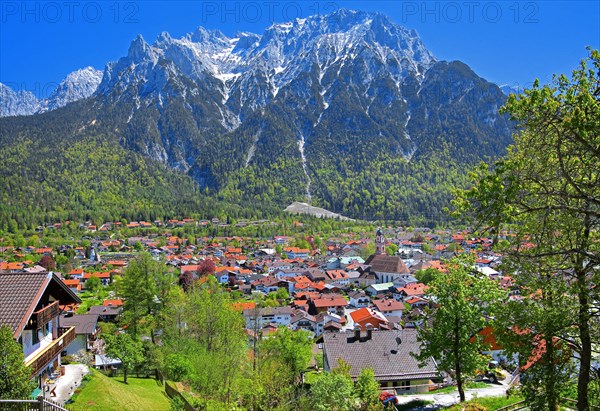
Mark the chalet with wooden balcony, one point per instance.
(30, 305)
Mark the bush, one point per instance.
(67, 359)
(177, 404)
(177, 367)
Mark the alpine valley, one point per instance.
(346, 111)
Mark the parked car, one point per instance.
(493, 373)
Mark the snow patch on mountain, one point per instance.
(252, 68)
(77, 85)
(17, 103)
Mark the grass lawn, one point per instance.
(106, 394)
(491, 403)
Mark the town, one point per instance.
(367, 287)
(316, 214)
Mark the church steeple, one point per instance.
(379, 242)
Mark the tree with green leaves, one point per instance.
(125, 348)
(367, 390)
(270, 386)
(332, 392)
(145, 288)
(547, 189)
(15, 377)
(391, 249)
(214, 338)
(93, 284)
(464, 303)
(528, 328)
(293, 347)
(427, 275)
(367, 250)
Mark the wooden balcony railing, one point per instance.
(47, 354)
(44, 315)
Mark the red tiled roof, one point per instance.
(99, 275)
(414, 289)
(117, 263)
(11, 266)
(241, 306)
(188, 268)
(113, 303)
(295, 250)
(336, 274)
(76, 271)
(330, 301)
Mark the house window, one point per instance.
(405, 385)
(35, 337)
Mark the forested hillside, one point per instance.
(347, 111)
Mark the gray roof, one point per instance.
(381, 287)
(83, 323)
(358, 294)
(103, 360)
(286, 310)
(390, 361)
(105, 310)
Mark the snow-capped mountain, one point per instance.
(347, 110)
(76, 86)
(508, 89)
(17, 103)
(252, 68)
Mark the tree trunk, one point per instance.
(583, 379)
(551, 380)
(459, 382)
(459, 377)
(125, 375)
(583, 403)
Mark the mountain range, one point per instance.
(346, 111)
(77, 85)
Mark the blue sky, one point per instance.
(510, 42)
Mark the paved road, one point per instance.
(68, 383)
(444, 400)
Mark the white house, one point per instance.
(389, 306)
(375, 289)
(359, 299)
(262, 316)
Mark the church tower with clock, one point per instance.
(379, 242)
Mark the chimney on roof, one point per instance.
(369, 328)
(356, 332)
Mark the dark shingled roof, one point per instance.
(83, 323)
(378, 353)
(21, 292)
(286, 310)
(104, 310)
(381, 263)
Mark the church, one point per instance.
(387, 268)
